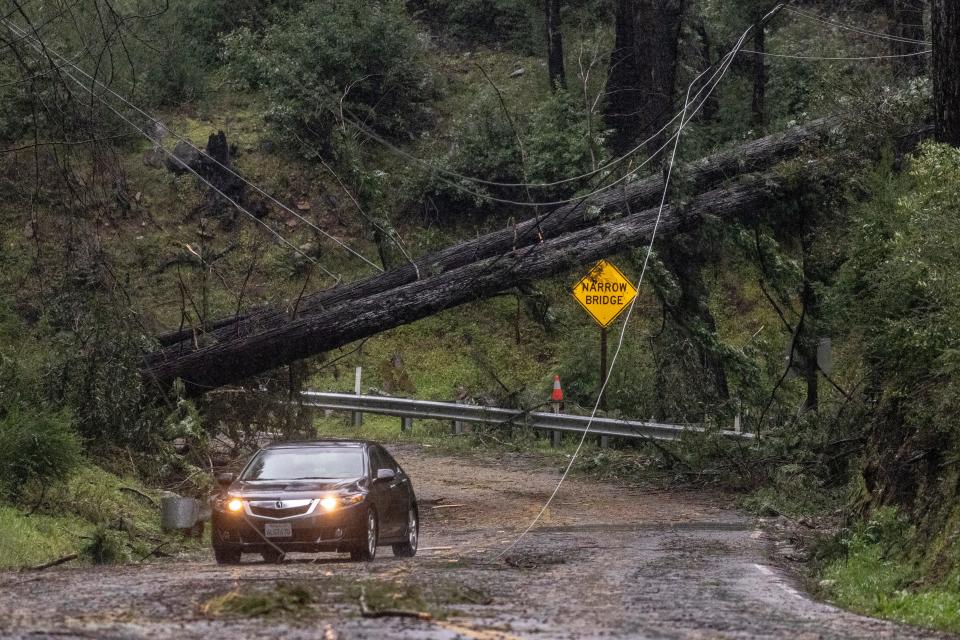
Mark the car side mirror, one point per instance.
(225, 479)
(384, 475)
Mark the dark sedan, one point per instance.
(344, 496)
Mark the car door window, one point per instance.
(387, 461)
(393, 463)
(389, 495)
(376, 461)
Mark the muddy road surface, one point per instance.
(607, 562)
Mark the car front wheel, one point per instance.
(367, 550)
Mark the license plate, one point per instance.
(284, 530)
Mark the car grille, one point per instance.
(270, 509)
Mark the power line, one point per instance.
(708, 86)
(392, 234)
(180, 137)
(683, 122)
(850, 58)
(860, 30)
(722, 67)
(492, 183)
(233, 202)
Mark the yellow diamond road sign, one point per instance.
(604, 293)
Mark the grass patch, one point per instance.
(299, 600)
(285, 599)
(89, 515)
(868, 582)
(32, 540)
(875, 574)
(436, 599)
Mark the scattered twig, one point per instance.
(141, 494)
(799, 521)
(448, 506)
(54, 563)
(156, 551)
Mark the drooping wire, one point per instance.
(860, 30)
(840, 58)
(228, 169)
(187, 167)
(445, 175)
(392, 234)
(623, 331)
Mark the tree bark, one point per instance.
(711, 107)
(699, 176)
(235, 360)
(623, 78)
(945, 20)
(808, 343)
(686, 258)
(641, 82)
(758, 106)
(905, 19)
(555, 67)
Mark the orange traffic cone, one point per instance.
(556, 398)
(557, 395)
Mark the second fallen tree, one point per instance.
(237, 359)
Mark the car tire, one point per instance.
(227, 556)
(272, 556)
(408, 549)
(367, 551)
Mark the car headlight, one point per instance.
(331, 503)
(231, 505)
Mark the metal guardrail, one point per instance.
(425, 409)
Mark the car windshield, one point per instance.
(307, 463)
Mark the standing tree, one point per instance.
(641, 82)
(945, 21)
(905, 23)
(558, 76)
(711, 106)
(758, 106)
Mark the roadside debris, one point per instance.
(367, 612)
(54, 563)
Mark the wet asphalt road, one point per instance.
(607, 563)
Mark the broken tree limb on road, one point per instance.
(322, 330)
(697, 177)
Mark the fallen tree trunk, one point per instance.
(236, 359)
(701, 175)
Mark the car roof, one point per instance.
(307, 444)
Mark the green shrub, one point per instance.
(557, 144)
(106, 546)
(36, 447)
(365, 53)
(517, 24)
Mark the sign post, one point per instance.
(603, 365)
(604, 293)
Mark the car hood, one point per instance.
(292, 489)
